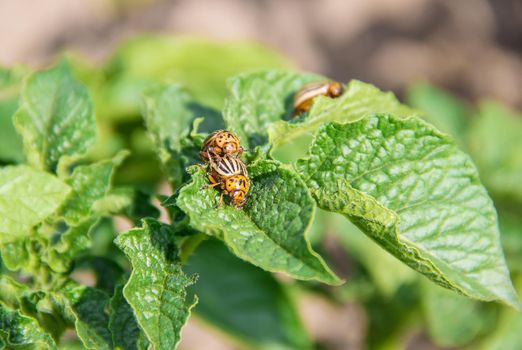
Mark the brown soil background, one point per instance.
(472, 47)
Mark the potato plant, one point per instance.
(85, 147)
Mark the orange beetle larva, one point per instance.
(304, 97)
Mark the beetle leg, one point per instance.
(208, 186)
(213, 183)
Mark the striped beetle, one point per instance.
(219, 144)
(231, 175)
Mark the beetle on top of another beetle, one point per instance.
(219, 144)
(221, 151)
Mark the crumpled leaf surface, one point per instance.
(74, 240)
(22, 332)
(86, 306)
(169, 112)
(11, 291)
(55, 118)
(90, 183)
(126, 333)
(257, 99)
(27, 197)
(270, 232)
(358, 100)
(413, 191)
(15, 254)
(156, 288)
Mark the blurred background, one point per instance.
(470, 48)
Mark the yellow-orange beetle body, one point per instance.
(219, 144)
(304, 97)
(231, 175)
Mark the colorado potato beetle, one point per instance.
(231, 175)
(304, 97)
(219, 144)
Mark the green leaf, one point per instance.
(270, 232)
(39, 305)
(143, 61)
(414, 192)
(116, 201)
(24, 252)
(359, 99)
(126, 333)
(443, 110)
(15, 254)
(22, 332)
(169, 112)
(11, 291)
(495, 141)
(92, 75)
(71, 242)
(27, 197)
(244, 301)
(10, 142)
(156, 287)
(69, 304)
(449, 328)
(90, 183)
(86, 306)
(258, 99)
(55, 118)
